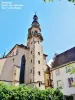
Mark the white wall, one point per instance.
(7, 64)
(63, 76)
(36, 47)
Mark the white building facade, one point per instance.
(64, 79)
(63, 72)
(26, 64)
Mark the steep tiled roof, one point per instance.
(64, 57)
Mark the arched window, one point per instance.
(36, 31)
(22, 70)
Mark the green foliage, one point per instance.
(23, 92)
(59, 0)
(72, 70)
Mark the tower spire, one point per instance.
(35, 28)
(35, 18)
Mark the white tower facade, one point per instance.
(37, 63)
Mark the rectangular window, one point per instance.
(30, 80)
(59, 84)
(70, 82)
(38, 53)
(38, 61)
(57, 72)
(38, 72)
(13, 59)
(31, 52)
(31, 71)
(31, 60)
(39, 84)
(38, 42)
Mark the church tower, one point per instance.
(37, 59)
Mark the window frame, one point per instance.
(31, 71)
(70, 82)
(38, 53)
(58, 84)
(31, 60)
(38, 61)
(30, 80)
(57, 72)
(39, 84)
(39, 73)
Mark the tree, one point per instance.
(24, 92)
(73, 1)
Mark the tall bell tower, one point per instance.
(36, 56)
(35, 29)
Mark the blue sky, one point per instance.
(57, 20)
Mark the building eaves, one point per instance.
(64, 57)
